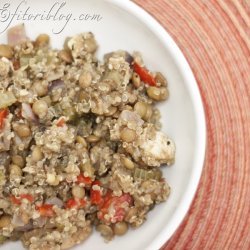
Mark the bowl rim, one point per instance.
(200, 120)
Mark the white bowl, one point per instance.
(126, 26)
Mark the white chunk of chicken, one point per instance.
(157, 149)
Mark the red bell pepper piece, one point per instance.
(96, 194)
(18, 200)
(82, 179)
(46, 210)
(144, 74)
(3, 114)
(75, 203)
(114, 207)
(96, 197)
(60, 122)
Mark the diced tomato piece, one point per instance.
(60, 122)
(18, 200)
(82, 202)
(15, 200)
(107, 197)
(46, 210)
(71, 203)
(96, 197)
(75, 203)
(114, 207)
(82, 179)
(144, 74)
(3, 114)
(96, 182)
(96, 194)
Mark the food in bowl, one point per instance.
(80, 141)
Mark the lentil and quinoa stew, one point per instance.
(80, 141)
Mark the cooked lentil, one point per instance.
(127, 163)
(65, 55)
(15, 170)
(40, 88)
(18, 160)
(136, 80)
(85, 79)
(106, 231)
(93, 138)
(6, 51)
(42, 40)
(40, 108)
(141, 108)
(157, 94)
(37, 154)
(128, 135)
(5, 221)
(120, 228)
(80, 145)
(23, 130)
(82, 141)
(160, 78)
